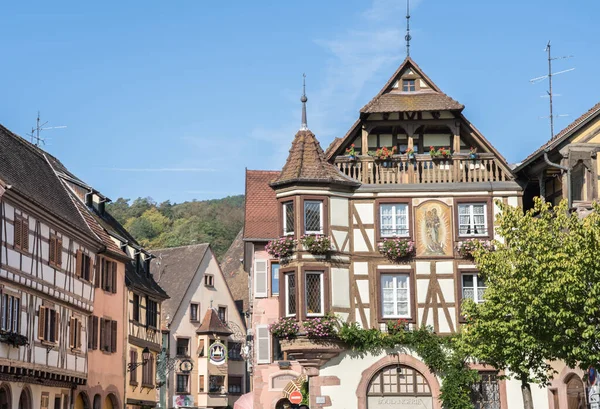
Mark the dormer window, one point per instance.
(408, 85)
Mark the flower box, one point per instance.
(281, 248)
(13, 339)
(316, 244)
(285, 328)
(397, 249)
(321, 327)
(467, 247)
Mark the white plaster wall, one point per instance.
(361, 268)
(338, 211)
(515, 398)
(340, 287)
(365, 212)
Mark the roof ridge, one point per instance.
(180, 247)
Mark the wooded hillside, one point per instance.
(158, 225)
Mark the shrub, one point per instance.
(466, 248)
(281, 248)
(285, 328)
(321, 327)
(316, 244)
(397, 249)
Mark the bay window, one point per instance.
(313, 217)
(472, 219)
(314, 294)
(395, 295)
(288, 218)
(290, 294)
(393, 220)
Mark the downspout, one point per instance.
(568, 170)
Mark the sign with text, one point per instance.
(404, 402)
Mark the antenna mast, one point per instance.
(35, 132)
(407, 37)
(549, 76)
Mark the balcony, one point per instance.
(399, 169)
(311, 352)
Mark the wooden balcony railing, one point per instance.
(423, 169)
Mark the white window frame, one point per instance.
(475, 287)
(394, 225)
(272, 279)
(11, 312)
(322, 298)
(472, 219)
(284, 221)
(287, 294)
(320, 231)
(395, 288)
(267, 359)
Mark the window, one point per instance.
(239, 305)
(395, 296)
(209, 280)
(216, 384)
(222, 312)
(473, 287)
(108, 335)
(108, 275)
(48, 324)
(276, 348)
(472, 219)
(183, 383)
(193, 312)
(45, 403)
(151, 313)
(200, 347)
(183, 347)
(21, 233)
(11, 313)
(290, 293)
(148, 372)
(408, 85)
(314, 294)
(274, 278)
(313, 217)
(393, 220)
(92, 332)
(234, 351)
(200, 383)
(235, 385)
(55, 255)
(83, 267)
(136, 308)
(75, 333)
(486, 392)
(133, 372)
(288, 218)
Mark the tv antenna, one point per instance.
(35, 132)
(549, 76)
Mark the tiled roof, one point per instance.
(233, 270)
(261, 208)
(211, 324)
(91, 218)
(410, 102)
(394, 100)
(306, 163)
(562, 135)
(26, 168)
(143, 281)
(174, 269)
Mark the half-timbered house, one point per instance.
(47, 266)
(436, 188)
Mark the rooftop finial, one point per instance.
(303, 99)
(407, 37)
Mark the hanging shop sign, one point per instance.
(217, 353)
(186, 366)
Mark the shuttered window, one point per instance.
(75, 333)
(108, 335)
(84, 266)
(148, 372)
(21, 237)
(48, 323)
(263, 340)
(108, 275)
(55, 255)
(151, 313)
(260, 278)
(133, 362)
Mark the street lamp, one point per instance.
(145, 357)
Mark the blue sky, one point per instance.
(174, 99)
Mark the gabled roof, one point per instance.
(562, 135)
(139, 279)
(233, 270)
(261, 206)
(306, 163)
(212, 324)
(391, 98)
(174, 269)
(27, 169)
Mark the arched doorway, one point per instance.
(97, 401)
(399, 386)
(575, 393)
(82, 401)
(5, 397)
(283, 404)
(110, 402)
(25, 399)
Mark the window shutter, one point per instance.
(52, 253)
(260, 278)
(59, 251)
(78, 334)
(102, 334)
(95, 332)
(25, 234)
(79, 264)
(56, 325)
(113, 336)
(72, 328)
(18, 236)
(90, 332)
(263, 340)
(114, 277)
(42, 323)
(97, 270)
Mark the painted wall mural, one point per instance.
(434, 229)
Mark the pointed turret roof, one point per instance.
(426, 97)
(306, 163)
(212, 324)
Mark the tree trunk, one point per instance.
(526, 391)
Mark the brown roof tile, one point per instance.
(211, 324)
(562, 135)
(306, 163)
(260, 219)
(233, 270)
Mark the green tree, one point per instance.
(543, 283)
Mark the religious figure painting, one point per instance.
(434, 229)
